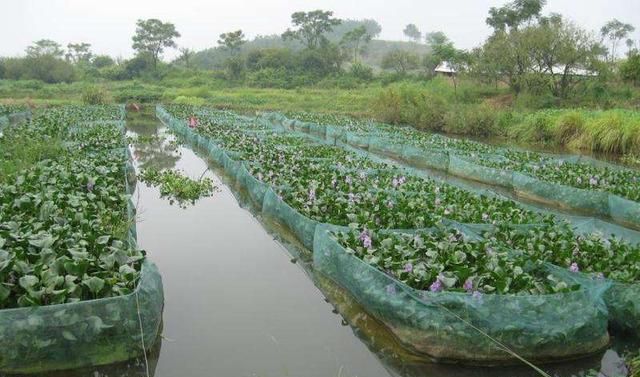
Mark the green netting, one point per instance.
(587, 202)
(536, 327)
(624, 211)
(623, 302)
(96, 332)
(584, 201)
(540, 332)
(475, 172)
(301, 226)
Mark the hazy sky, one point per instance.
(109, 24)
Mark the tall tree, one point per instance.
(356, 41)
(412, 31)
(615, 31)
(45, 47)
(185, 56)
(232, 41)
(311, 27)
(562, 53)
(441, 49)
(153, 36)
(401, 61)
(514, 14)
(79, 52)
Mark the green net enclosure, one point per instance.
(95, 332)
(459, 326)
(583, 201)
(447, 326)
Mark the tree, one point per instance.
(45, 47)
(514, 14)
(102, 61)
(440, 46)
(232, 41)
(413, 32)
(401, 61)
(311, 27)
(356, 40)
(504, 57)
(630, 69)
(79, 53)
(152, 37)
(185, 55)
(372, 26)
(615, 31)
(562, 53)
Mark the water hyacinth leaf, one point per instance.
(102, 240)
(29, 281)
(95, 284)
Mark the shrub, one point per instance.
(361, 71)
(475, 120)
(568, 127)
(630, 69)
(536, 127)
(183, 100)
(388, 106)
(96, 95)
(269, 78)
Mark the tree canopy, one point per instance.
(311, 27)
(153, 36)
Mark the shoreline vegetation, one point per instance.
(431, 106)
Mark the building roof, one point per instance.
(444, 67)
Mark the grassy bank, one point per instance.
(471, 109)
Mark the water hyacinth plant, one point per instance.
(443, 260)
(178, 187)
(64, 220)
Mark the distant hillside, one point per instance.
(214, 57)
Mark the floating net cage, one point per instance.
(86, 333)
(446, 326)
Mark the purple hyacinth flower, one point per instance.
(468, 285)
(408, 268)
(574, 267)
(593, 181)
(365, 238)
(436, 286)
(312, 194)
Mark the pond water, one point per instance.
(241, 297)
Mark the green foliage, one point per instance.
(74, 261)
(96, 95)
(356, 40)
(79, 53)
(102, 61)
(311, 27)
(232, 40)
(152, 37)
(630, 69)
(444, 261)
(177, 187)
(400, 61)
(361, 72)
(471, 120)
(412, 31)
